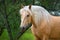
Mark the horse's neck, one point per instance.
(47, 17)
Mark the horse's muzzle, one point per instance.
(24, 28)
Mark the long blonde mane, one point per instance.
(38, 12)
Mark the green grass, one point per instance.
(26, 36)
(4, 36)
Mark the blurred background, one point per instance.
(10, 17)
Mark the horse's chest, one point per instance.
(36, 32)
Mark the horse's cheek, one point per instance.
(29, 20)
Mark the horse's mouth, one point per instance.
(24, 28)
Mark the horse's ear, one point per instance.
(21, 5)
(29, 6)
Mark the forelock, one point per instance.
(26, 8)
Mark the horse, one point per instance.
(44, 25)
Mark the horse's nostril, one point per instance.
(22, 28)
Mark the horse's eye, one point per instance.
(27, 15)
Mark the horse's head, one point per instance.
(34, 15)
(25, 17)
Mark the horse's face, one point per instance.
(25, 18)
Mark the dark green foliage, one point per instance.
(11, 9)
(51, 4)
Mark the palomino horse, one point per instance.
(44, 26)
